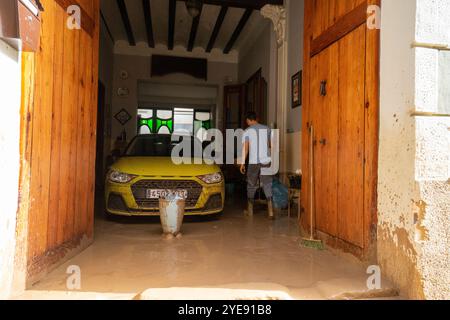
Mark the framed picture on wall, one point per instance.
(297, 90)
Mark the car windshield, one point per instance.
(158, 145)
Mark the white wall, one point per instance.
(295, 31)
(9, 161)
(432, 168)
(106, 74)
(106, 63)
(256, 56)
(262, 55)
(295, 21)
(413, 188)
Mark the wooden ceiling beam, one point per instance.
(172, 16)
(194, 29)
(148, 22)
(126, 22)
(237, 32)
(217, 27)
(107, 27)
(245, 4)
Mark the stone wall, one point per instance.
(414, 189)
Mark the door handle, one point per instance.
(323, 88)
(323, 142)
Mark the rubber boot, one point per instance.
(249, 211)
(270, 209)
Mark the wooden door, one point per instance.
(234, 106)
(256, 96)
(234, 114)
(342, 51)
(350, 155)
(337, 96)
(61, 114)
(324, 97)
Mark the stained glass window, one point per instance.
(145, 121)
(179, 120)
(202, 124)
(164, 121)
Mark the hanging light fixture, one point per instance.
(194, 7)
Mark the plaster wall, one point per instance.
(413, 188)
(295, 30)
(432, 171)
(106, 72)
(10, 67)
(295, 27)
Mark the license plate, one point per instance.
(158, 193)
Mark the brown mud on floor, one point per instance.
(233, 252)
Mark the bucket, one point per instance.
(171, 211)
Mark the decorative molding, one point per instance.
(122, 47)
(123, 117)
(277, 14)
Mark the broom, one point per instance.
(312, 242)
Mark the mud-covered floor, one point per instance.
(130, 256)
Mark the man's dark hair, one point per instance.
(252, 116)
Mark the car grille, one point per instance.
(139, 190)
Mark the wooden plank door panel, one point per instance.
(68, 134)
(327, 12)
(55, 181)
(339, 8)
(62, 143)
(321, 20)
(351, 137)
(341, 24)
(325, 122)
(41, 137)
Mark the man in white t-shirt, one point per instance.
(256, 146)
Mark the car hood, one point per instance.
(156, 166)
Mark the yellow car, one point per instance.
(146, 173)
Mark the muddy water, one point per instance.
(130, 256)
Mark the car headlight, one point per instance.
(120, 177)
(211, 178)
